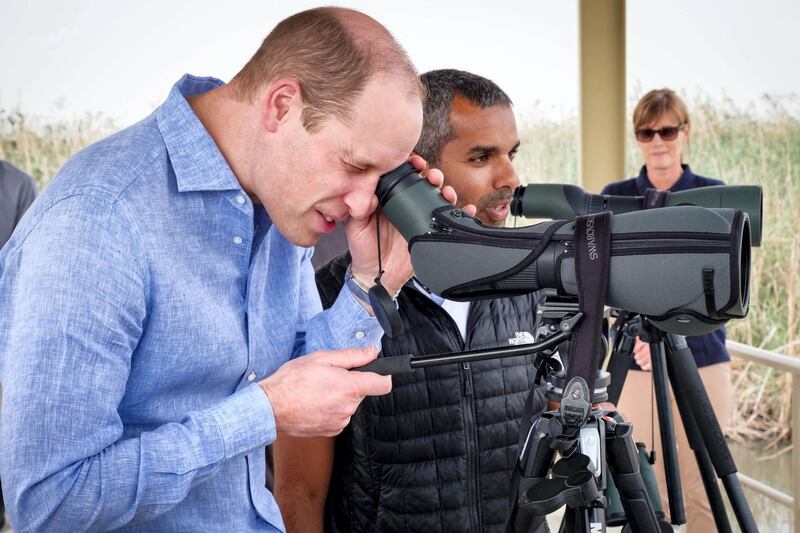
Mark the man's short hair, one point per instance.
(332, 53)
(441, 87)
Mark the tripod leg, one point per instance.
(621, 358)
(623, 460)
(592, 520)
(683, 369)
(701, 453)
(533, 463)
(712, 491)
(668, 446)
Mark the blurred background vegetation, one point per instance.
(757, 145)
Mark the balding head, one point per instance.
(332, 53)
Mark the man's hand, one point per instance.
(641, 354)
(316, 395)
(361, 238)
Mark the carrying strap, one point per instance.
(708, 290)
(592, 260)
(655, 198)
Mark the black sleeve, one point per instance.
(27, 194)
(330, 279)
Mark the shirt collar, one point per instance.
(198, 163)
(686, 181)
(438, 300)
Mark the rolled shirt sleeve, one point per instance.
(346, 324)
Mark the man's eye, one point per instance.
(512, 154)
(483, 158)
(355, 170)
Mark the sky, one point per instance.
(120, 58)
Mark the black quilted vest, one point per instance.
(436, 453)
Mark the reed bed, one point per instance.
(40, 148)
(761, 147)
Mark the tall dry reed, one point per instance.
(748, 146)
(40, 148)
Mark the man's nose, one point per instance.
(360, 198)
(506, 175)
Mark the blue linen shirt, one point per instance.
(708, 349)
(143, 297)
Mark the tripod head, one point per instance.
(549, 316)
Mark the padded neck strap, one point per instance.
(592, 260)
(655, 198)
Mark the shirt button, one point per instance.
(237, 240)
(359, 334)
(240, 200)
(251, 377)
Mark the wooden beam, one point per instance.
(602, 92)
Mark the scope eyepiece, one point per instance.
(395, 181)
(408, 200)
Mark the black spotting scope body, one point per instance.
(686, 267)
(556, 201)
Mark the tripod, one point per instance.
(583, 434)
(703, 431)
(590, 443)
(579, 430)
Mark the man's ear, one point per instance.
(282, 99)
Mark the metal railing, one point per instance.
(786, 364)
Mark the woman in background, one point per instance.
(661, 125)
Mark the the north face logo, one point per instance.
(521, 337)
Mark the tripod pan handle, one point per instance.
(387, 366)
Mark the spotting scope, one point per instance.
(686, 268)
(556, 201)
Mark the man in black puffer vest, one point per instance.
(436, 454)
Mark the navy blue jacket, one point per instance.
(707, 349)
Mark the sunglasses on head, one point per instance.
(670, 133)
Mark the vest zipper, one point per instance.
(470, 426)
(468, 388)
(473, 453)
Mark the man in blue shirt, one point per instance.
(155, 297)
(17, 193)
